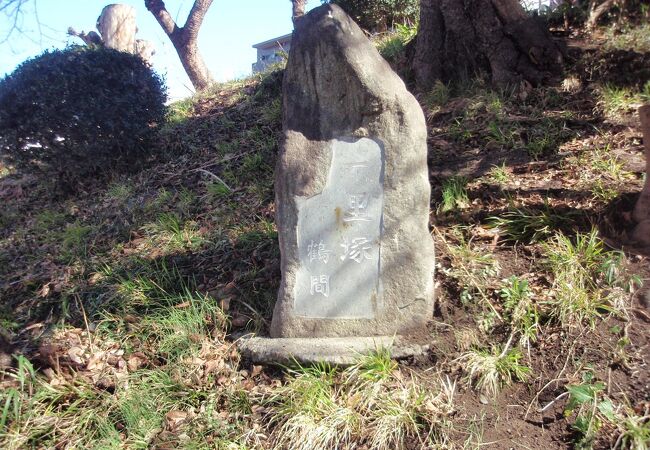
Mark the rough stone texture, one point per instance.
(642, 208)
(338, 91)
(641, 214)
(335, 351)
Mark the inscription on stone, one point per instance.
(339, 233)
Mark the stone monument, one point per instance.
(352, 202)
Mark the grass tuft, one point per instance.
(615, 100)
(528, 225)
(454, 194)
(391, 45)
(370, 404)
(588, 280)
(521, 313)
(490, 370)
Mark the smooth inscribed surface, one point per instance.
(339, 233)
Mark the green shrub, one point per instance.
(73, 111)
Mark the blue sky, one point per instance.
(230, 28)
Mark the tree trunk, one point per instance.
(185, 39)
(117, 26)
(459, 39)
(642, 208)
(193, 63)
(297, 9)
(596, 10)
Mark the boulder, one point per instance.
(352, 190)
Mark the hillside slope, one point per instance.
(119, 304)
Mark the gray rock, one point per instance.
(352, 190)
(335, 351)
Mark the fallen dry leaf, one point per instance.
(174, 419)
(256, 371)
(135, 361)
(76, 355)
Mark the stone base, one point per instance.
(343, 351)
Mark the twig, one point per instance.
(507, 347)
(215, 177)
(83, 312)
(609, 380)
(253, 310)
(552, 402)
(214, 162)
(559, 375)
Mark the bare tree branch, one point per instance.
(159, 11)
(195, 17)
(184, 38)
(13, 10)
(16, 4)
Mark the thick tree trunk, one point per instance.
(297, 9)
(463, 38)
(193, 63)
(427, 48)
(185, 39)
(117, 26)
(642, 208)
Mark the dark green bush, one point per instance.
(379, 15)
(72, 112)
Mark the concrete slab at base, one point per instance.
(336, 351)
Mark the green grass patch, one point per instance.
(633, 37)
(528, 225)
(171, 233)
(499, 174)
(615, 100)
(473, 269)
(391, 45)
(520, 311)
(454, 194)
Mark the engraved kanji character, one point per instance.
(357, 250)
(317, 251)
(357, 208)
(320, 284)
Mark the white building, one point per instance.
(271, 51)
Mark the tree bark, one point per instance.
(297, 9)
(459, 39)
(642, 207)
(185, 39)
(596, 10)
(427, 48)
